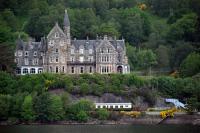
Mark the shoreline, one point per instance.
(146, 120)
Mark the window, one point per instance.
(56, 50)
(90, 51)
(51, 59)
(35, 61)
(72, 69)
(56, 35)
(63, 69)
(90, 58)
(16, 61)
(26, 53)
(51, 42)
(50, 69)
(81, 51)
(56, 69)
(18, 71)
(25, 71)
(90, 69)
(56, 59)
(35, 53)
(108, 50)
(40, 70)
(26, 61)
(81, 58)
(72, 51)
(62, 43)
(32, 70)
(72, 59)
(81, 69)
(19, 53)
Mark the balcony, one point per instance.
(81, 63)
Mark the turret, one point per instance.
(66, 25)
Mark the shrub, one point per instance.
(102, 114)
(82, 116)
(84, 88)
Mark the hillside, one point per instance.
(164, 32)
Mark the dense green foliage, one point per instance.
(102, 114)
(27, 109)
(165, 35)
(29, 98)
(169, 29)
(191, 65)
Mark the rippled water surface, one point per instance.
(101, 129)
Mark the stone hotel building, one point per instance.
(58, 53)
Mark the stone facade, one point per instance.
(58, 53)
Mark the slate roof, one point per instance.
(66, 20)
(94, 43)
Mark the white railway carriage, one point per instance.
(114, 106)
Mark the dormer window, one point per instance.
(81, 59)
(90, 51)
(26, 53)
(19, 53)
(72, 51)
(108, 50)
(51, 42)
(56, 35)
(81, 51)
(35, 53)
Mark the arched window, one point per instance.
(57, 69)
(40, 70)
(25, 71)
(18, 71)
(56, 35)
(32, 70)
(81, 50)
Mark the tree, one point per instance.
(82, 116)
(146, 59)
(41, 104)
(132, 56)
(109, 29)
(102, 114)
(184, 28)
(163, 57)
(56, 111)
(10, 19)
(135, 25)
(84, 88)
(27, 109)
(5, 103)
(179, 53)
(191, 65)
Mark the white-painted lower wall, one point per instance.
(37, 70)
(113, 105)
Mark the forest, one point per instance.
(163, 35)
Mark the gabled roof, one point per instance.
(54, 29)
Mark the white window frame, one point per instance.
(81, 58)
(26, 61)
(90, 51)
(57, 35)
(35, 53)
(81, 51)
(26, 53)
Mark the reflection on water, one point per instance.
(101, 129)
